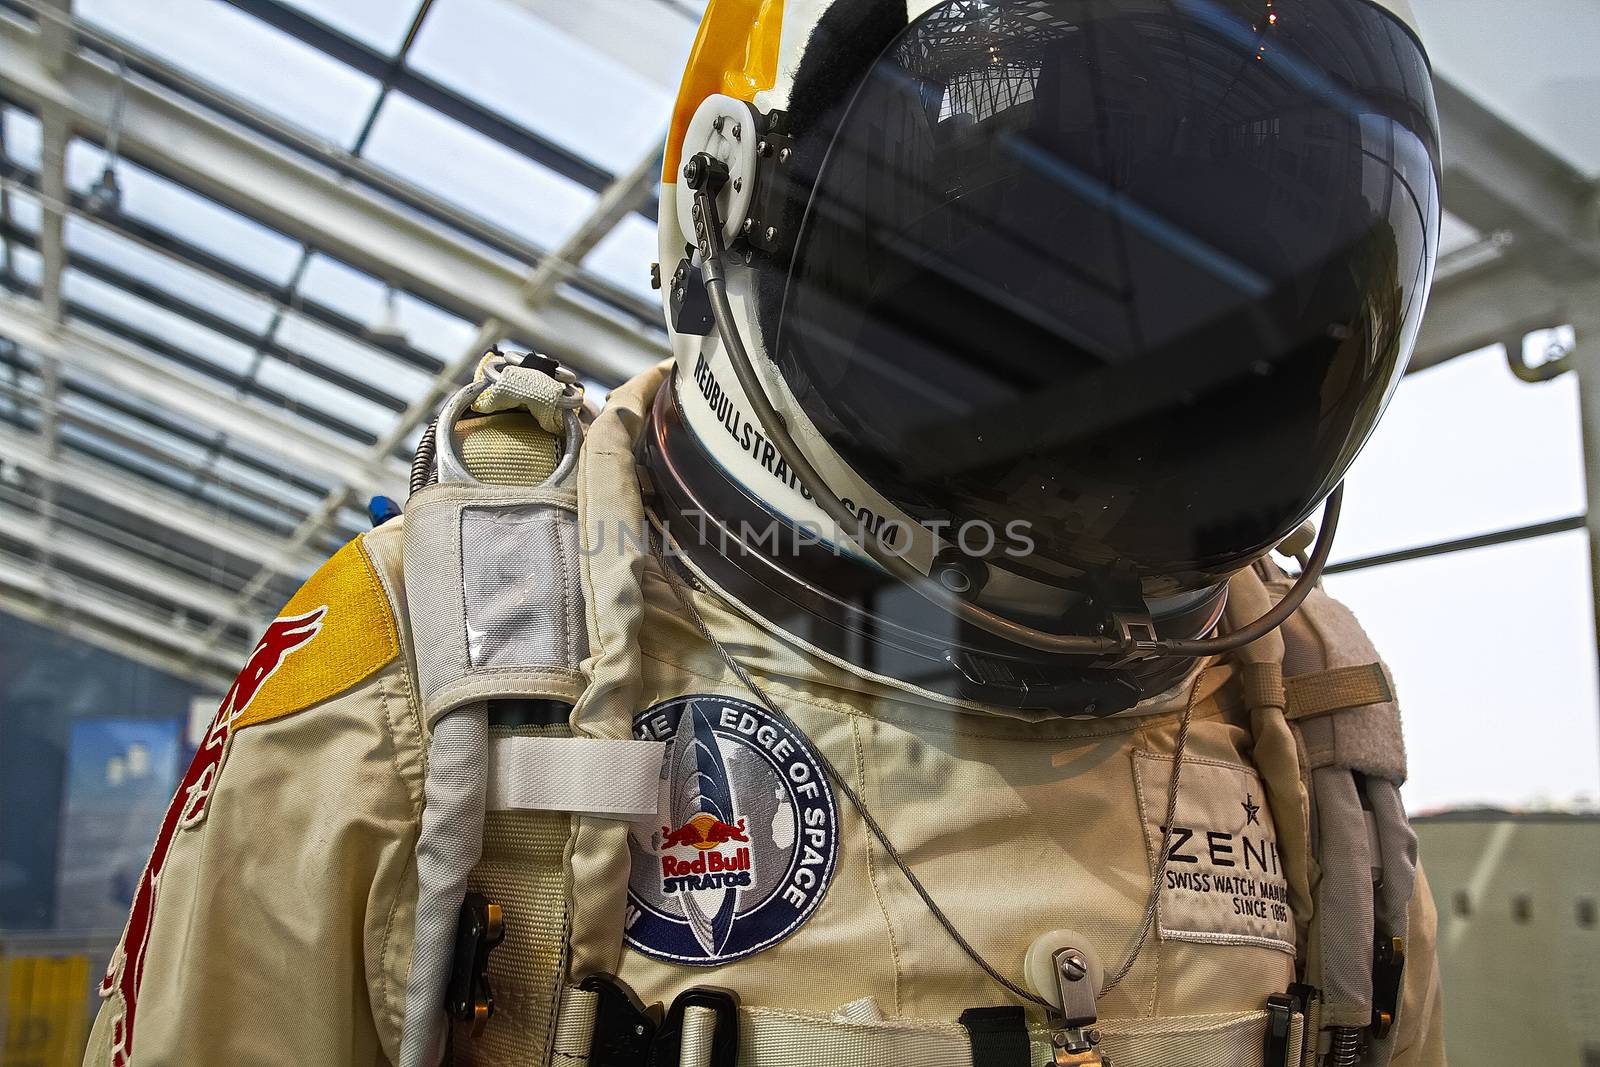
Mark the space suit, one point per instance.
(797, 709)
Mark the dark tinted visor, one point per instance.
(1142, 274)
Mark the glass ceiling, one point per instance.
(513, 115)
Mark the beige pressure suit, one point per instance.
(275, 925)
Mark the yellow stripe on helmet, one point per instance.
(735, 53)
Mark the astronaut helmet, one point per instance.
(1077, 307)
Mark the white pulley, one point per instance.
(724, 128)
(1041, 967)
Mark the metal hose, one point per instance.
(422, 468)
(1345, 1048)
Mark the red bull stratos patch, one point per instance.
(750, 836)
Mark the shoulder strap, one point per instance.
(1321, 682)
(1334, 675)
(497, 613)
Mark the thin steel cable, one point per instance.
(1152, 902)
(681, 592)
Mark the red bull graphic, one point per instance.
(283, 636)
(751, 841)
(703, 831)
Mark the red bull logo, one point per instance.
(703, 832)
(708, 866)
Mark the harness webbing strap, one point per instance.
(774, 1038)
(523, 869)
(1336, 689)
(699, 1028)
(589, 775)
(574, 1028)
(1262, 684)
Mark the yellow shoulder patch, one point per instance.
(336, 631)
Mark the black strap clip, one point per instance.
(999, 1036)
(624, 1029)
(1388, 969)
(468, 998)
(1281, 1008)
(668, 1046)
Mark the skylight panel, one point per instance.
(293, 382)
(192, 286)
(624, 255)
(381, 24)
(25, 211)
(482, 176)
(184, 213)
(184, 454)
(347, 290)
(365, 299)
(376, 368)
(247, 58)
(293, 497)
(24, 138)
(544, 79)
(228, 355)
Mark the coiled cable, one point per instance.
(423, 471)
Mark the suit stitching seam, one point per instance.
(407, 871)
(872, 878)
(1151, 850)
(376, 587)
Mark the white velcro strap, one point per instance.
(588, 775)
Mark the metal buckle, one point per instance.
(624, 1029)
(1388, 968)
(1280, 1023)
(468, 998)
(1073, 1038)
(668, 1045)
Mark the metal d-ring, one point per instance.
(452, 469)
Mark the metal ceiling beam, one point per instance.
(1497, 178)
(102, 605)
(555, 268)
(168, 424)
(235, 276)
(299, 198)
(100, 557)
(1538, 266)
(120, 366)
(156, 506)
(362, 57)
(346, 165)
(56, 43)
(612, 205)
(1500, 304)
(93, 619)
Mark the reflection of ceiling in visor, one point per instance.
(1142, 273)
